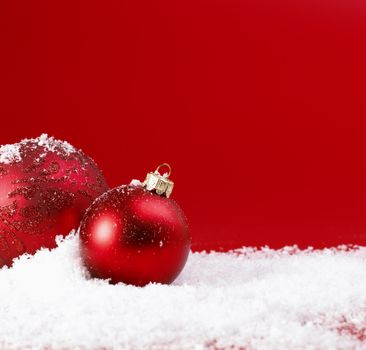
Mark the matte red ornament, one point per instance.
(134, 235)
(45, 187)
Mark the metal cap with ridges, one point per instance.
(161, 184)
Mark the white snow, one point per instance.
(51, 144)
(136, 183)
(12, 153)
(266, 299)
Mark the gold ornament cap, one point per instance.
(159, 183)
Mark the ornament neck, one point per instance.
(159, 183)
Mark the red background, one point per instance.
(259, 105)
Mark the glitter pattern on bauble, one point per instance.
(132, 235)
(45, 187)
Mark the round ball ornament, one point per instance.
(45, 187)
(136, 234)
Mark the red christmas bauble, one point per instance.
(135, 236)
(45, 187)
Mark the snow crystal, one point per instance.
(253, 299)
(11, 153)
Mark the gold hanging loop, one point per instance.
(164, 165)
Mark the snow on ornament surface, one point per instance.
(248, 299)
(45, 187)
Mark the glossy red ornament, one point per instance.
(45, 187)
(135, 236)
